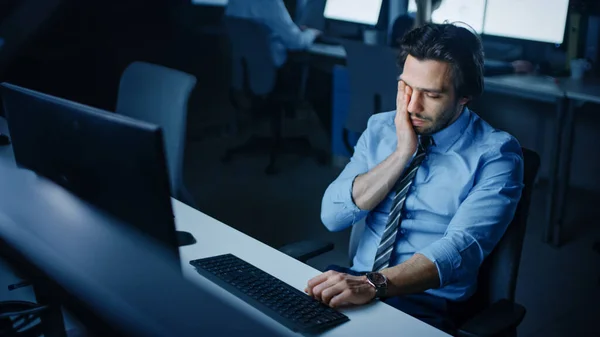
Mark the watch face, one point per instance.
(377, 278)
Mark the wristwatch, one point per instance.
(379, 282)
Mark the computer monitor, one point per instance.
(471, 12)
(534, 20)
(114, 162)
(364, 12)
(115, 281)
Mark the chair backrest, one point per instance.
(159, 95)
(498, 273)
(373, 81)
(253, 67)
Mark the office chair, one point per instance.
(492, 309)
(373, 75)
(254, 72)
(160, 95)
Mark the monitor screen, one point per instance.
(357, 11)
(536, 20)
(468, 11)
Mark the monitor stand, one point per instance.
(184, 238)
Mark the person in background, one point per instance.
(286, 35)
(289, 36)
(425, 9)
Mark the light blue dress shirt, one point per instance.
(462, 199)
(285, 34)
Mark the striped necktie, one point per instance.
(388, 238)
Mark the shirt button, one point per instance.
(408, 215)
(402, 231)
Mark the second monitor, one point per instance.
(531, 20)
(470, 12)
(365, 12)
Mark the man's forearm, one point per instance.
(370, 189)
(415, 275)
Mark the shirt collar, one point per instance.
(445, 138)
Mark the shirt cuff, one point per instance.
(445, 257)
(343, 195)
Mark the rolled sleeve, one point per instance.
(445, 256)
(341, 207)
(482, 218)
(338, 210)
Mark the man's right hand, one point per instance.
(407, 137)
(370, 188)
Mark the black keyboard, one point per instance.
(282, 302)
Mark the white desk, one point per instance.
(216, 238)
(583, 91)
(333, 51)
(213, 238)
(540, 88)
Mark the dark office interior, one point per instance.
(81, 51)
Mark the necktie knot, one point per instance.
(425, 142)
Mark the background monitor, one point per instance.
(364, 12)
(534, 20)
(470, 12)
(114, 162)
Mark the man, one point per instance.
(436, 185)
(286, 35)
(425, 9)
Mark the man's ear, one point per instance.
(464, 100)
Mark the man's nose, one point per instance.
(416, 102)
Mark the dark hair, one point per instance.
(455, 45)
